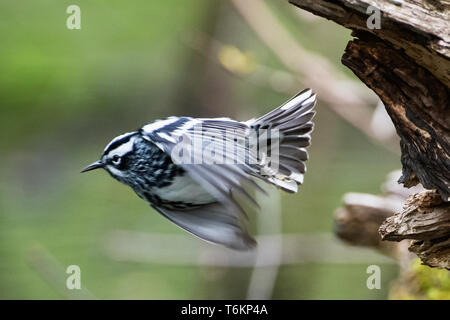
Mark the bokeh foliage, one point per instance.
(65, 93)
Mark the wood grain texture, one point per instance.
(417, 104)
(407, 63)
(419, 28)
(425, 219)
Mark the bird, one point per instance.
(203, 173)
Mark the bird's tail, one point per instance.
(292, 121)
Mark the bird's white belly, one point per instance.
(184, 189)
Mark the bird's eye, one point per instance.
(116, 159)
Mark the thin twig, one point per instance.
(262, 280)
(51, 270)
(178, 249)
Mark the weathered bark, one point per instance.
(425, 219)
(407, 63)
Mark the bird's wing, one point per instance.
(214, 223)
(209, 162)
(221, 222)
(207, 141)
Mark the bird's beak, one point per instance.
(93, 166)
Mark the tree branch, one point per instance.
(407, 63)
(425, 218)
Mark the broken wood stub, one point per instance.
(425, 218)
(407, 63)
(358, 221)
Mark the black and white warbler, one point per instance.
(202, 195)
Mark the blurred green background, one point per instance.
(65, 93)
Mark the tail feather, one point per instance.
(293, 120)
(294, 152)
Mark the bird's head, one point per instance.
(124, 159)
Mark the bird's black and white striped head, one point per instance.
(115, 158)
(120, 158)
(135, 161)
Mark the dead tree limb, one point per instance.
(425, 218)
(358, 221)
(407, 63)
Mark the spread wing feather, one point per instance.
(213, 223)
